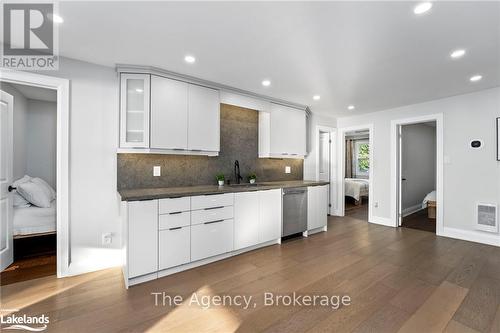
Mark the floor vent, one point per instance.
(487, 217)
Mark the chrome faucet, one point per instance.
(237, 175)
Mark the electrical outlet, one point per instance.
(107, 238)
(375, 204)
(156, 171)
(288, 169)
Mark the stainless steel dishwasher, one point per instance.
(294, 210)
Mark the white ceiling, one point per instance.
(36, 93)
(374, 55)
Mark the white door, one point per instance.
(6, 153)
(324, 156)
(203, 119)
(399, 171)
(169, 113)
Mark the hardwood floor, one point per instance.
(420, 221)
(402, 280)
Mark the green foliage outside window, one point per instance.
(364, 157)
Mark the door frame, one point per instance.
(62, 160)
(333, 158)
(395, 174)
(341, 168)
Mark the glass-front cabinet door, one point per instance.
(134, 110)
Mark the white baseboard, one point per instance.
(382, 221)
(411, 210)
(472, 236)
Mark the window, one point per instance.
(362, 158)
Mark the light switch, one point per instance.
(288, 169)
(156, 171)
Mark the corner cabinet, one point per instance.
(282, 132)
(134, 110)
(317, 207)
(164, 115)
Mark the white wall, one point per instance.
(418, 157)
(92, 166)
(20, 115)
(469, 177)
(41, 144)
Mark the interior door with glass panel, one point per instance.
(134, 110)
(6, 153)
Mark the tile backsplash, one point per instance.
(239, 141)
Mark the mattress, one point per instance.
(356, 187)
(34, 220)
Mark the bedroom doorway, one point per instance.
(33, 182)
(34, 172)
(417, 176)
(355, 172)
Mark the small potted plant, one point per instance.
(220, 179)
(251, 178)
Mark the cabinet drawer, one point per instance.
(174, 220)
(209, 201)
(211, 214)
(211, 239)
(174, 247)
(172, 205)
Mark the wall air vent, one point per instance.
(487, 217)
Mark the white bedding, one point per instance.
(356, 187)
(429, 197)
(34, 220)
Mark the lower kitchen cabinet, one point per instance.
(174, 247)
(142, 237)
(211, 238)
(269, 215)
(246, 219)
(317, 207)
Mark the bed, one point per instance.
(356, 188)
(34, 221)
(429, 202)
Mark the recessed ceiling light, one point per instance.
(266, 83)
(189, 59)
(422, 7)
(351, 107)
(476, 78)
(56, 18)
(316, 97)
(457, 54)
(139, 90)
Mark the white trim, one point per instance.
(382, 221)
(471, 236)
(411, 210)
(62, 88)
(341, 170)
(438, 118)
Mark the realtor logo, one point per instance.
(29, 35)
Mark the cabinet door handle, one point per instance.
(284, 153)
(175, 213)
(217, 221)
(176, 228)
(218, 207)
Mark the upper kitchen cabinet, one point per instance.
(169, 113)
(282, 132)
(203, 119)
(169, 116)
(134, 111)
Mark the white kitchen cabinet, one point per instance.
(169, 113)
(203, 119)
(211, 239)
(269, 215)
(142, 250)
(246, 219)
(317, 206)
(174, 247)
(134, 110)
(282, 132)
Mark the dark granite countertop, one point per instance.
(174, 192)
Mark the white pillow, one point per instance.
(46, 186)
(25, 179)
(19, 201)
(35, 194)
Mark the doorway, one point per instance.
(34, 176)
(325, 165)
(417, 173)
